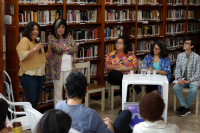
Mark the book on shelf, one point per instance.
(173, 55)
(150, 30)
(174, 42)
(144, 46)
(93, 70)
(120, 2)
(194, 2)
(176, 28)
(119, 15)
(193, 27)
(132, 32)
(191, 14)
(109, 48)
(46, 96)
(176, 14)
(148, 15)
(88, 52)
(81, 16)
(152, 2)
(84, 35)
(94, 82)
(113, 32)
(41, 17)
(40, 1)
(81, 1)
(176, 2)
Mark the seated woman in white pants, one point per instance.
(61, 62)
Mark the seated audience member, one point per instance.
(151, 108)
(54, 121)
(188, 75)
(87, 120)
(157, 60)
(120, 62)
(4, 128)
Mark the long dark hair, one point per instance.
(3, 112)
(54, 121)
(163, 49)
(29, 28)
(126, 42)
(56, 24)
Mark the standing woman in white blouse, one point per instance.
(32, 63)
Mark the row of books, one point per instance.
(144, 46)
(194, 2)
(41, 17)
(191, 14)
(83, 35)
(46, 96)
(40, 1)
(81, 1)
(81, 16)
(144, 15)
(119, 15)
(176, 14)
(109, 48)
(150, 30)
(113, 32)
(120, 2)
(177, 28)
(93, 70)
(193, 27)
(86, 52)
(173, 42)
(148, 2)
(173, 55)
(176, 2)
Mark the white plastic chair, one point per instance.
(8, 89)
(92, 88)
(24, 120)
(34, 116)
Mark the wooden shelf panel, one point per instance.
(92, 59)
(110, 40)
(83, 4)
(41, 4)
(146, 37)
(84, 23)
(174, 20)
(149, 5)
(45, 105)
(95, 77)
(119, 22)
(119, 5)
(177, 5)
(175, 34)
(41, 25)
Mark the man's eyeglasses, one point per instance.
(187, 43)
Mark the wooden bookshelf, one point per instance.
(1, 50)
(12, 61)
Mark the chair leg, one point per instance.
(133, 95)
(112, 97)
(197, 102)
(87, 97)
(103, 100)
(109, 97)
(143, 89)
(174, 103)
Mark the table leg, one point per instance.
(124, 93)
(165, 89)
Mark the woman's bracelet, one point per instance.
(35, 49)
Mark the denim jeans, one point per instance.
(32, 86)
(190, 97)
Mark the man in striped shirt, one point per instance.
(188, 75)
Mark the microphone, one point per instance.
(38, 41)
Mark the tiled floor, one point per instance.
(187, 124)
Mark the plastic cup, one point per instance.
(148, 73)
(154, 72)
(17, 127)
(143, 72)
(131, 72)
